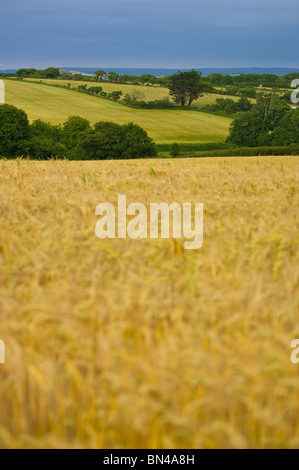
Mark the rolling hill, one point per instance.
(55, 105)
(142, 92)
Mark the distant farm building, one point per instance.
(72, 73)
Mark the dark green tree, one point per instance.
(100, 74)
(14, 131)
(45, 141)
(137, 143)
(270, 109)
(105, 142)
(248, 92)
(174, 150)
(43, 148)
(110, 140)
(40, 128)
(25, 72)
(244, 104)
(50, 72)
(244, 131)
(287, 132)
(113, 76)
(186, 87)
(75, 130)
(255, 127)
(147, 78)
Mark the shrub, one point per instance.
(195, 147)
(164, 103)
(228, 107)
(95, 90)
(253, 151)
(133, 102)
(115, 95)
(82, 87)
(174, 150)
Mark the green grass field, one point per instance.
(146, 93)
(55, 105)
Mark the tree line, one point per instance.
(236, 82)
(76, 139)
(270, 122)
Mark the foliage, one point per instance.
(228, 107)
(45, 129)
(115, 95)
(252, 151)
(132, 101)
(82, 88)
(50, 72)
(109, 140)
(105, 142)
(174, 150)
(187, 148)
(45, 141)
(95, 90)
(255, 127)
(75, 130)
(100, 74)
(113, 76)
(136, 143)
(287, 131)
(42, 148)
(248, 92)
(185, 87)
(57, 104)
(14, 130)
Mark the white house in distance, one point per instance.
(2, 92)
(72, 73)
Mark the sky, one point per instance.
(149, 33)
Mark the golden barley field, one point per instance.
(140, 343)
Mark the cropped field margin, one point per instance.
(138, 226)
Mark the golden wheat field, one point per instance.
(140, 343)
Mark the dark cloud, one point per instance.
(165, 33)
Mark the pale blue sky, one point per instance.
(149, 33)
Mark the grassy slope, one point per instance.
(146, 93)
(56, 105)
